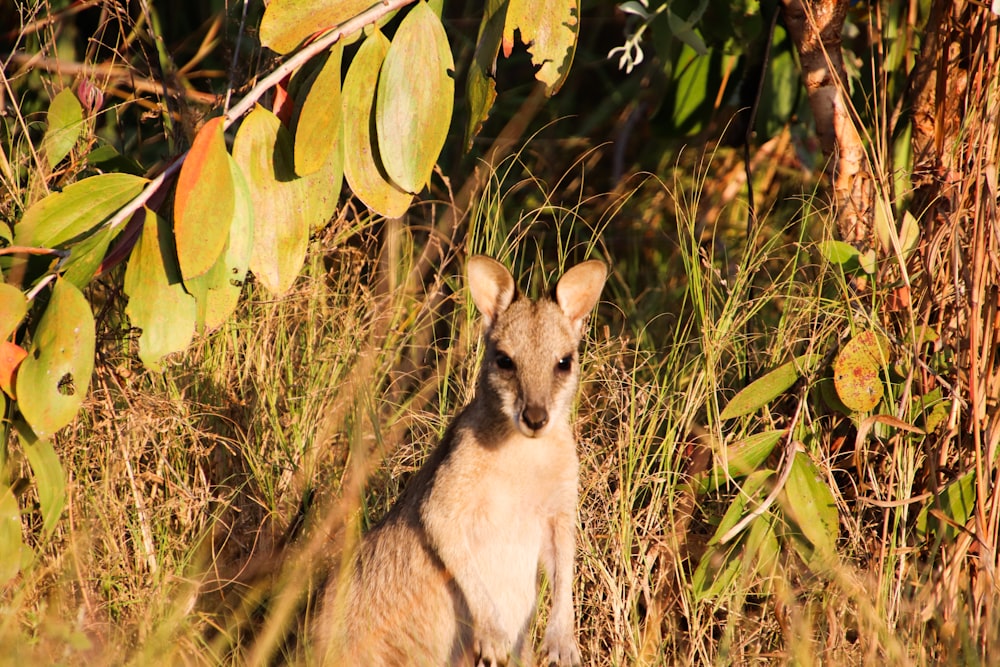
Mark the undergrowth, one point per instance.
(207, 503)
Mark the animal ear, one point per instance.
(491, 285)
(578, 290)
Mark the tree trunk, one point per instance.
(954, 97)
(815, 28)
(955, 101)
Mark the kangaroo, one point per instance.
(450, 575)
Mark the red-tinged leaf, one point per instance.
(320, 127)
(415, 98)
(11, 356)
(218, 291)
(288, 23)
(55, 376)
(284, 105)
(65, 119)
(13, 308)
(67, 216)
(362, 164)
(549, 28)
(157, 302)
(856, 371)
(204, 201)
(263, 150)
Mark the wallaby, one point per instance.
(450, 575)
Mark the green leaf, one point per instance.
(13, 308)
(782, 86)
(55, 376)
(87, 256)
(415, 97)
(692, 93)
(157, 302)
(549, 28)
(933, 407)
(839, 253)
(480, 84)
(762, 391)
(868, 261)
(857, 368)
(218, 291)
(809, 505)
(685, 31)
(362, 164)
(319, 126)
(263, 150)
(107, 159)
(720, 564)
(319, 192)
(50, 480)
(65, 125)
(64, 216)
(287, 23)
(909, 234)
(956, 501)
(11, 544)
(204, 201)
(741, 459)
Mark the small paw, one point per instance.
(562, 651)
(492, 648)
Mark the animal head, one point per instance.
(531, 364)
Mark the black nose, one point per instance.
(535, 417)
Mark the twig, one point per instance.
(236, 55)
(895, 503)
(109, 72)
(40, 286)
(28, 250)
(48, 19)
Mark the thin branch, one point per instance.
(117, 73)
(29, 250)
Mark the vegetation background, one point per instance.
(759, 352)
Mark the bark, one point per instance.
(955, 107)
(937, 90)
(815, 28)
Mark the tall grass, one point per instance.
(181, 545)
(208, 502)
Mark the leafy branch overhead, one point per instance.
(383, 126)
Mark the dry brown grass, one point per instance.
(177, 545)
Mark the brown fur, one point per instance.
(450, 575)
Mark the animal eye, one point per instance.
(565, 364)
(504, 362)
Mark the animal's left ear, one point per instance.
(579, 289)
